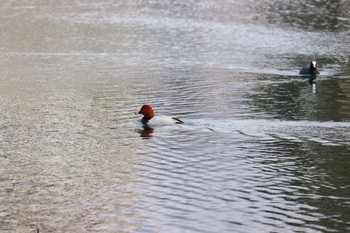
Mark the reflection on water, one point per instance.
(262, 148)
(146, 132)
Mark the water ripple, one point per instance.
(238, 176)
(261, 149)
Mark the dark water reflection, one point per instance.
(262, 149)
(326, 100)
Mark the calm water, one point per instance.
(262, 150)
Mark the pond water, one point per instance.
(261, 150)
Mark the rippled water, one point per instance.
(261, 150)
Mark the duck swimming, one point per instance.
(150, 119)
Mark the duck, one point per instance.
(309, 69)
(150, 119)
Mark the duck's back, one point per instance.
(162, 120)
(307, 70)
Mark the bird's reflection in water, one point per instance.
(313, 87)
(312, 81)
(146, 132)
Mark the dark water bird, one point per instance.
(310, 69)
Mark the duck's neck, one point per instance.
(145, 119)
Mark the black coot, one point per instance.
(310, 69)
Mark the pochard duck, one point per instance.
(310, 69)
(149, 118)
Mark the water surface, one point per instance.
(261, 150)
